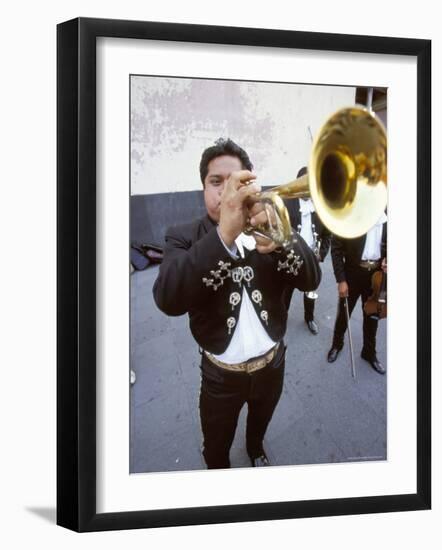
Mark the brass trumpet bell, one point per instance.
(347, 178)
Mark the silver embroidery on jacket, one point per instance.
(218, 276)
(292, 263)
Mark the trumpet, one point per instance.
(346, 179)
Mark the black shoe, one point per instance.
(375, 363)
(312, 326)
(259, 461)
(333, 354)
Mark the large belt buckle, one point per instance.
(372, 264)
(255, 365)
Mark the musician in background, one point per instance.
(354, 262)
(307, 223)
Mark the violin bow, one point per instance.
(353, 372)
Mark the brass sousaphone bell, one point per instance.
(346, 179)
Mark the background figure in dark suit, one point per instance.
(232, 287)
(354, 262)
(306, 222)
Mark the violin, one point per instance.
(376, 305)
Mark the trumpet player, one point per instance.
(232, 287)
(309, 226)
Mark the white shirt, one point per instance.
(249, 339)
(306, 208)
(372, 248)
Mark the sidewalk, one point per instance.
(323, 416)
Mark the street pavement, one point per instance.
(324, 415)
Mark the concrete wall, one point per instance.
(174, 119)
(383, 116)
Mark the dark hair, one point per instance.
(223, 147)
(301, 172)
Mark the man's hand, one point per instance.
(264, 245)
(233, 209)
(384, 265)
(343, 289)
(258, 216)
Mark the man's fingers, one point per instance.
(255, 209)
(247, 191)
(266, 248)
(260, 218)
(240, 178)
(263, 244)
(238, 193)
(261, 239)
(250, 189)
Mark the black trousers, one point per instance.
(223, 394)
(359, 285)
(309, 304)
(309, 308)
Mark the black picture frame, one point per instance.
(77, 287)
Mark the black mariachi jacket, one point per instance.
(199, 277)
(324, 234)
(346, 253)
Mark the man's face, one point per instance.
(219, 170)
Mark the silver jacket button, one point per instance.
(234, 299)
(257, 297)
(231, 322)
